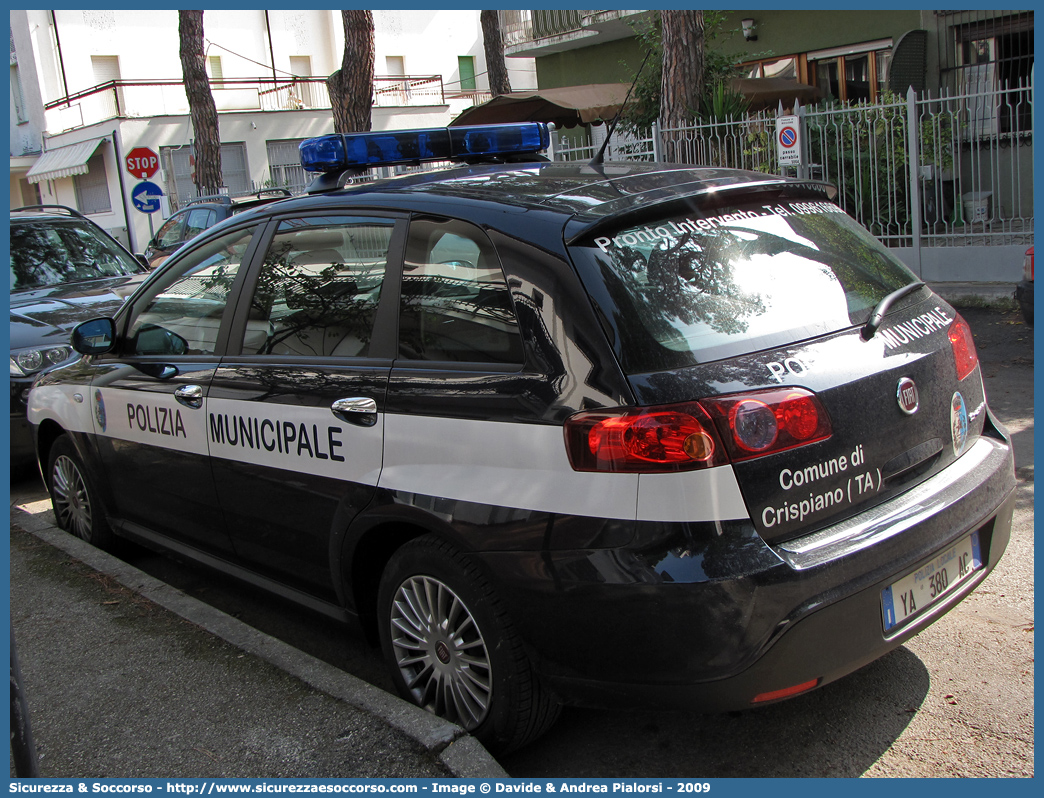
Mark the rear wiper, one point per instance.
(882, 308)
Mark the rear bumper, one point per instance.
(709, 623)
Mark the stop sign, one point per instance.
(142, 162)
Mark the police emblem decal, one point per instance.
(958, 423)
(99, 409)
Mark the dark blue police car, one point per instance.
(554, 433)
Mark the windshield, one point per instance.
(726, 281)
(47, 253)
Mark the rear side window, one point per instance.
(709, 285)
(318, 289)
(455, 304)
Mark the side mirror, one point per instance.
(140, 256)
(94, 337)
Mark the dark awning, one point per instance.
(568, 106)
(769, 92)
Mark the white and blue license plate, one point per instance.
(919, 590)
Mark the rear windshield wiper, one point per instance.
(882, 308)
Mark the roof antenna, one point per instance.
(600, 157)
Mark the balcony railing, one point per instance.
(474, 97)
(128, 98)
(520, 27)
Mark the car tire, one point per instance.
(77, 507)
(452, 649)
(1026, 306)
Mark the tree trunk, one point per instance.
(207, 144)
(493, 44)
(682, 79)
(351, 86)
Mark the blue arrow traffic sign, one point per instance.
(146, 197)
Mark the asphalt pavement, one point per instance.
(128, 677)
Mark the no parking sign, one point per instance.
(788, 140)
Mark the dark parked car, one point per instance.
(199, 215)
(1024, 290)
(621, 434)
(64, 269)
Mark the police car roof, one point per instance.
(582, 197)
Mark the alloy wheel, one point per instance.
(72, 503)
(440, 651)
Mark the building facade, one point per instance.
(846, 53)
(87, 87)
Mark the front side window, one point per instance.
(57, 252)
(171, 231)
(455, 304)
(731, 280)
(198, 220)
(318, 289)
(182, 313)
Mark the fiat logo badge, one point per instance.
(906, 393)
(442, 652)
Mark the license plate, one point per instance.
(919, 590)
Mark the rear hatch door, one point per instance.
(726, 297)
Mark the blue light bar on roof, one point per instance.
(343, 152)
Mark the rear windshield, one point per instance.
(702, 286)
(48, 253)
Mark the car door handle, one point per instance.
(190, 396)
(358, 410)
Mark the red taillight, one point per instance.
(964, 355)
(643, 440)
(684, 437)
(763, 422)
(1027, 265)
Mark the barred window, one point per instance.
(92, 189)
(178, 162)
(284, 165)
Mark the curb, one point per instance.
(449, 744)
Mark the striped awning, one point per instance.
(63, 161)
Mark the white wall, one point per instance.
(26, 136)
(63, 191)
(146, 43)
(968, 264)
(430, 42)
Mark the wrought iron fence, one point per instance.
(576, 144)
(954, 168)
